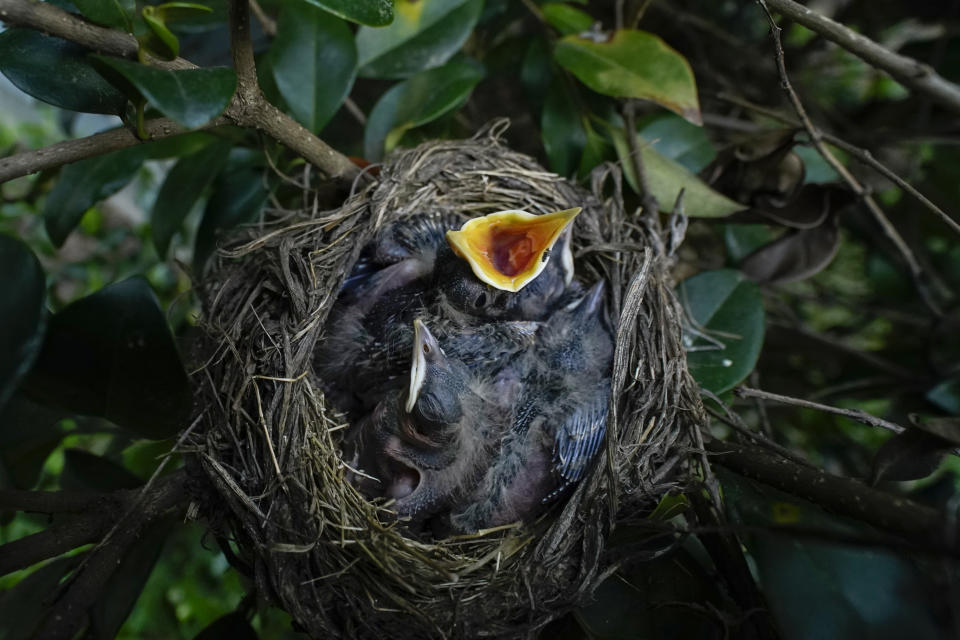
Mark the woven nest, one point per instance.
(266, 445)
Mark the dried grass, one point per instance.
(268, 450)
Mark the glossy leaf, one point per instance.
(24, 606)
(110, 13)
(666, 178)
(566, 19)
(726, 327)
(124, 587)
(111, 354)
(910, 455)
(181, 189)
(375, 13)
(26, 58)
(417, 101)
(632, 64)
(239, 195)
(22, 311)
(562, 130)
(424, 34)
(741, 240)
(677, 139)
(85, 183)
(192, 97)
(596, 150)
(83, 470)
(233, 625)
(946, 395)
(29, 432)
(795, 255)
(819, 589)
(536, 71)
(314, 63)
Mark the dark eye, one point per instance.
(480, 301)
(426, 348)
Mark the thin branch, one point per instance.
(241, 48)
(843, 496)
(249, 111)
(861, 154)
(268, 24)
(907, 71)
(68, 151)
(854, 414)
(816, 137)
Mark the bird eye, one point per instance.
(426, 348)
(480, 301)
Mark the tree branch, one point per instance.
(68, 613)
(250, 111)
(53, 541)
(48, 501)
(241, 49)
(816, 138)
(854, 414)
(907, 71)
(843, 496)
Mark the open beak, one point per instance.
(508, 249)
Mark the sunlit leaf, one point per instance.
(181, 189)
(417, 101)
(85, 183)
(632, 64)
(26, 58)
(375, 13)
(796, 255)
(192, 97)
(726, 327)
(22, 310)
(666, 178)
(423, 35)
(566, 19)
(111, 354)
(314, 63)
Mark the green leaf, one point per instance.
(632, 64)
(181, 11)
(566, 19)
(124, 587)
(181, 189)
(666, 178)
(743, 239)
(536, 72)
(111, 354)
(725, 335)
(314, 63)
(26, 58)
(561, 129)
(85, 183)
(110, 13)
(159, 40)
(233, 625)
(192, 97)
(22, 309)
(29, 432)
(424, 35)
(83, 470)
(417, 101)
(823, 590)
(910, 455)
(239, 195)
(679, 140)
(24, 606)
(375, 13)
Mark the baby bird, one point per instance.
(559, 419)
(423, 446)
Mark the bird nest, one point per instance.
(266, 449)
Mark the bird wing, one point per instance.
(580, 435)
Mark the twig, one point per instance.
(68, 151)
(907, 71)
(268, 24)
(647, 200)
(250, 111)
(816, 138)
(854, 414)
(843, 496)
(241, 49)
(861, 154)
